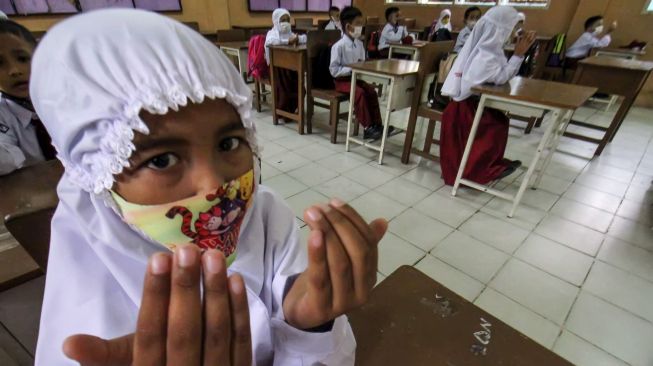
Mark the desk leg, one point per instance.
(273, 82)
(615, 124)
(300, 100)
(390, 52)
(410, 135)
(416, 55)
(470, 142)
(352, 98)
(386, 122)
(552, 145)
(628, 103)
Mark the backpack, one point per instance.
(321, 75)
(373, 45)
(557, 55)
(257, 67)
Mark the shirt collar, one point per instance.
(23, 115)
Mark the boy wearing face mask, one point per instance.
(596, 35)
(348, 50)
(334, 19)
(392, 32)
(472, 15)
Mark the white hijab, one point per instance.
(276, 21)
(482, 53)
(91, 76)
(439, 25)
(3, 16)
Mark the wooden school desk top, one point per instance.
(237, 45)
(390, 67)
(626, 51)
(559, 95)
(297, 48)
(618, 63)
(415, 44)
(33, 186)
(412, 320)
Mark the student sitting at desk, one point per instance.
(441, 24)
(392, 31)
(472, 15)
(480, 61)
(285, 93)
(23, 139)
(595, 36)
(161, 160)
(334, 19)
(348, 50)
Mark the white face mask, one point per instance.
(471, 24)
(285, 27)
(358, 31)
(598, 30)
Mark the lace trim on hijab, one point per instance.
(97, 171)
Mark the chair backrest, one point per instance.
(322, 23)
(317, 41)
(193, 25)
(429, 63)
(372, 20)
(304, 23)
(31, 228)
(408, 22)
(231, 35)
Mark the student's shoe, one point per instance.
(391, 129)
(372, 133)
(511, 168)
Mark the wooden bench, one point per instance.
(316, 41)
(430, 56)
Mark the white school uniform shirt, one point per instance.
(388, 34)
(462, 38)
(344, 53)
(90, 96)
(584, 44)
(19, 146)
(481, 59)
(331, 25)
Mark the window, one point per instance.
(476, 2)
(297, 6)
(515, 3)
(526, 3)
(648, 8)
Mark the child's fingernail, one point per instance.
(187, 256)
(337, 202)
(236, 286)
(213, 263)
(160, 264)
(314, 214)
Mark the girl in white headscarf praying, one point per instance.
(164, 247)
(480, 61)
(443, 22)
(285, 92)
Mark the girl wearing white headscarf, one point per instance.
(480, 61)
(444, 21)
(93, 77)
(285, 93)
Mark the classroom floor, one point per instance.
(573, 269)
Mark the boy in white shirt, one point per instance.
(472, 15)
(334, 19)
(392, 32)
(348, 50)
(595, 36)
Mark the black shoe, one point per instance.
(391, 129)
(515, 164)
(509, 170)
(372, 132)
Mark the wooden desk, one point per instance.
(616, 76)
(624, 53)
(290, 58)
(33, 186)
(239, 51)
(404, 324)
(401, 76)
(528, 98)
(406, 49)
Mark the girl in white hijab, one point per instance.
(480, 61)
(152, 123)
(285, 92)
(444, 21)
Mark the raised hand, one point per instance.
(174, 326)
(524, 43)
(342, 265)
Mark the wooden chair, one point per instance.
(31, 228)
(430, 56)
(260, 93)
(316, 41)
(409, 23)
(194, 25)
(304, 24)
(231, 35)
(372, 20)
(322, 23)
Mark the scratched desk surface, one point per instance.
(413, 320)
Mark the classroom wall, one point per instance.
(240, 15)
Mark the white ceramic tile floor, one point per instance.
(573, 269)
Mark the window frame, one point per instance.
(470, 3)
(648, 7)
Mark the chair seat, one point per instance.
(426, 111)
(329, 94)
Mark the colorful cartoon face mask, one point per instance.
(210, 220)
